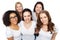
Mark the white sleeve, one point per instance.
(8, 33)
(20, 24)
(34, 16)
(35, 24)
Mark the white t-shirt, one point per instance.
(13, 33)
(34, 16)
(44, 35)
(28, 34)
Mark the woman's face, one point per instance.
(27, 16)
(19, 8)
(13, 18)
(44, 18)
(38, 8)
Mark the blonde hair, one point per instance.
(18, 3)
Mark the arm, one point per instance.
(53, 36)
(11, 38)
(9, 34)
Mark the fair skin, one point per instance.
(13, 25)
(44, 20)
(38, 9)
(27, 19)
(53, 36)
(19, 8)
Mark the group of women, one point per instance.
(23, 24)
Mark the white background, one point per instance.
(53, 6)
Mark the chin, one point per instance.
(37, 12)
(27, 21)
(15, 23)
(45, 23)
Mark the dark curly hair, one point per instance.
(41, 5)
(6, 19)
(50, 24)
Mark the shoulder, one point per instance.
(8, 28)
(33, 14)
(34, 22)
(20, 24)
(8, 32)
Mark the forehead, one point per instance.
(26, 13)
(42, 14)
(38, 5)
(18, 4)
(12, 14)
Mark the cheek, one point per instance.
(40, 9)
(24, 18)
(19, 8)
(36, 8)
(14, 20)
(27, 18)
(41, 20)
(47, 19)
(11, 21)
(44, 20)
(30, 17)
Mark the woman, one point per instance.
(27, 25)
(11, 20)
(19, 8)
(45, 27)
(37, 8)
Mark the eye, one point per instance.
(44, 17)
(40, 17)
(29, 15)
(24, 16)
(13, 17)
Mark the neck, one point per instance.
(27, 25)
(45, 27)
(37, 14)
(28, 22)
(13, 25)
(20, 14)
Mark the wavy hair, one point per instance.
(50, 23)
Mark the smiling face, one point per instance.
(44, 18)
(13, 18)
(19, 8)
(38, 8)
(27, 16)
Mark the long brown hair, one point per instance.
(50, 24)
